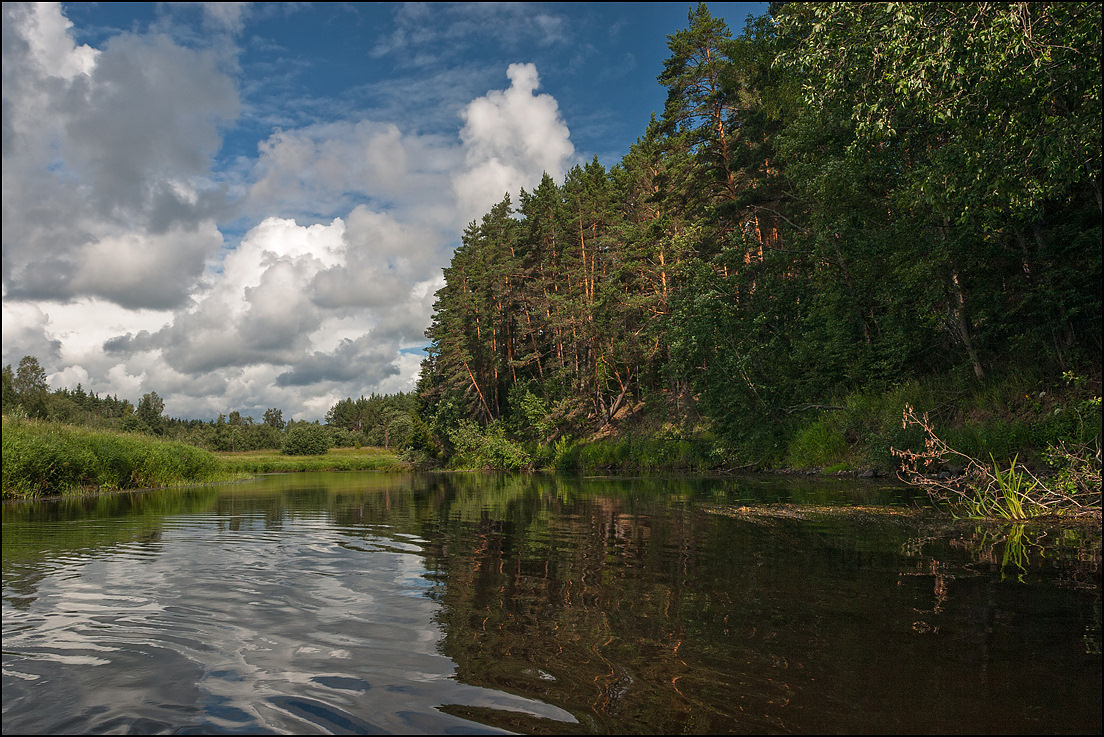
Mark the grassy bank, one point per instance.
(45, 458)
(1015, 416)
(50, 458)
(1016, 446)
(666, 451)
(336, 459)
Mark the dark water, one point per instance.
(367, 603)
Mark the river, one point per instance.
(470, 603)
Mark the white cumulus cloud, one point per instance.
(107, 153)
(120, 268)
(510, 136)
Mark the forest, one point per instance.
(847, 211)
(848, 207)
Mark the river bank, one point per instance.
(51, 459)
(1048, 434)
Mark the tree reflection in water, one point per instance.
(664, 605)
(668, 612)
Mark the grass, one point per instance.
(1009, 496)
(986, 491)
(49, 458)
(336, 459)
(1020, 415)
(818, 445)
(639, 454)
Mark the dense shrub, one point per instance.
(49, 458)
(476, 447)
(343, 438)
(307, 440)
(637, 454)
(817, 445)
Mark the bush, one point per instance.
(485, 448)
(817, 445)
(307, 440)
(341, 437)
(670, 451)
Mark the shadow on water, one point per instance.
(363, 603)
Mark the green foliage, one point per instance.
(943, 123)
(1009, 497)
(29, 387)
(47, 458)
(847, 200)
(384, 421)
(342, 438)
(817, 445)
(149, 410)
(871, 422)
(531, 418)
(985, 490)
(274, 418)
(10, 401)
(1015, 491)
(477, 447)
(307, 439)
(338, 459)
(637, 454)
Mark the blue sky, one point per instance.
(248, 205)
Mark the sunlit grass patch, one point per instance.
(336, 459)
(985, 490)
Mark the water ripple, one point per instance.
(292, 630)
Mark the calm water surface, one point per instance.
(463, 603)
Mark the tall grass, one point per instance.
(639, 454)
(1019, 414)
(985, 490)
(50, 458)
(817, 445)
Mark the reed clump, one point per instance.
(50, 458)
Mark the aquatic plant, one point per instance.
(985, 490)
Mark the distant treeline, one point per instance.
(847, 197)
(383, 420)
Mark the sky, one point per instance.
(249, 205)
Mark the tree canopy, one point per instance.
(846, 195)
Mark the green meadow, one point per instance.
(48, 458)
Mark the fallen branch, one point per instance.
(807, 407)
(983, 489)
